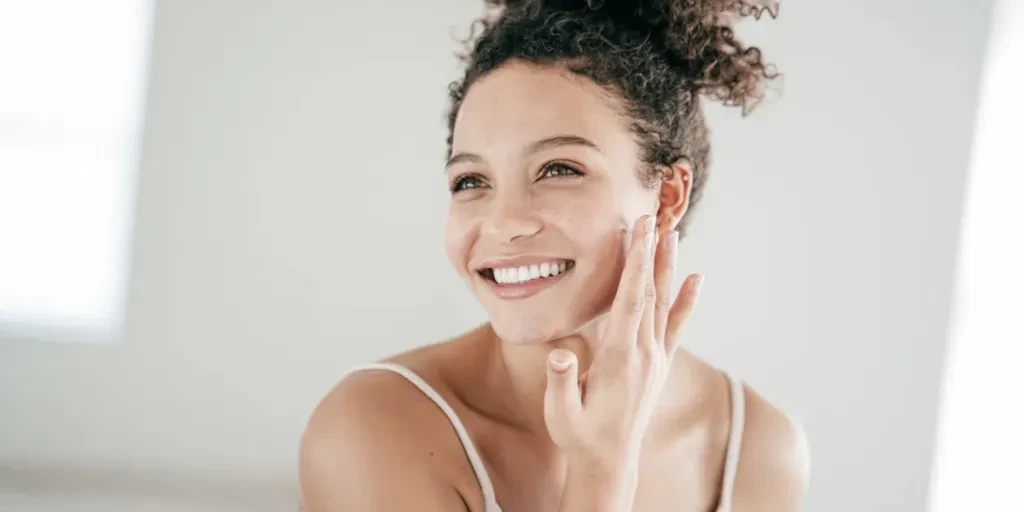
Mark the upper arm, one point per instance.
(357, 454)
(774, 470)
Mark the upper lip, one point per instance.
(518, 261)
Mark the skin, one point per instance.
(650, 433)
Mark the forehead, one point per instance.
(520, 103)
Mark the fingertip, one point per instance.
(698, 282)
(648, 222)
(643, 235)
(561, 360)
(560, 366)
(640, 228)
(673, 239)
(670, 245)
(638, 224)
(650, 234)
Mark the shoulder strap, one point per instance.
(490, 502)
(732, 453)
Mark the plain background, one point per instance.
(289, 218)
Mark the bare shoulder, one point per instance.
(371, 431)
(774, 468)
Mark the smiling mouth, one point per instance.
(527, 273)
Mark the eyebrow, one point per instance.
(535, 147)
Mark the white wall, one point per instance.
(289, 225)
(979, 444)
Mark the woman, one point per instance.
(577, 147)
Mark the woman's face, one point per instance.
(543, 173)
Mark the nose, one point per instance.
(511, 217)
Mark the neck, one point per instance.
(520, 377)
(524, 370)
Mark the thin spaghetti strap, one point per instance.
(732, 453)
(490, 501)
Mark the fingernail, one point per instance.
(672, 240)
(698, 284)
(560, 366)
(672, 243)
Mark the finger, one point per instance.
(628, 306)
(562, 402)
(664, 273)
(647, 337)
(681, 311)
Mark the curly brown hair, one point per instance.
(658, 56)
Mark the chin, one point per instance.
(518, 328)
(529, 331)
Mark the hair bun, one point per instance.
(696, 35)
(655, 12)
(699, 35)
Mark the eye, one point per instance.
(465, 182)
(557, 170)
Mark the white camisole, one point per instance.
(732, 454)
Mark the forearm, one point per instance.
(591, 489)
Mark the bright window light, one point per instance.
(72, 80)
(981, 428)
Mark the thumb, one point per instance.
(562, 397)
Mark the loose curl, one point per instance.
(658, 56)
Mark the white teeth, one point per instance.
(514, 275)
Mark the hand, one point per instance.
(600, 423)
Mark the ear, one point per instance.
(674, 197)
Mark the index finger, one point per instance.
(630, 298)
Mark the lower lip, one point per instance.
(523, 290)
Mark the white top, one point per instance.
(732, 454)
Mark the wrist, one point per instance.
(602, 471)
(609, 465)
(611, 486)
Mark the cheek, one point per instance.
(587, 216)
(457, 239)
